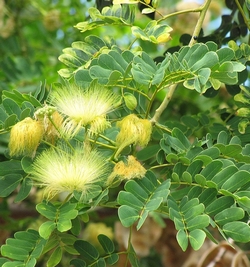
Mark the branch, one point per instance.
(180, 12)
(199, 23)
(203, 10)
(164, 104)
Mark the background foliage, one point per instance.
(193, 87)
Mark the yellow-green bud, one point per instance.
(127, 170)
(25, 137)
(133, 130)
(130, 101)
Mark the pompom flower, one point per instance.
(59, 170)
(133, 130)
(84, 107)
(25, 137)
(127, 170)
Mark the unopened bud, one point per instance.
(25, 137)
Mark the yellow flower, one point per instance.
(127, 170)
(25, 137)
(84, 107)
(133, 131)
(59, 170)
(163, 38)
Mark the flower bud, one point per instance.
(127, 170)
(134, 131)
(25, 137)
(130, 101)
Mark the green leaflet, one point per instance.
(229, 215)
(60, 217)
(117, 14)
(24, 190)
(189, 219)
(152, 31)
(8, 183)
(55, 257)
(108, 67)
(197, 238)
(141, 197)
(25, 246)
(236, 181)
(106, 243)
(89, 255)
(238, 231)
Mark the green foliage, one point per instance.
(89, 255)
(60, 217)
(192, 99)
(215, 66)
(141, 198)
(25, 248)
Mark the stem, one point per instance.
(107, 139)
(132, 89)
(149, 6)
(199, 23)
(67, 141)
(163, 127)
(129, 244)
(130, 46)
(243, 14)
(101, 144)
(180, 12)
(161, 166)
(164, 104)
